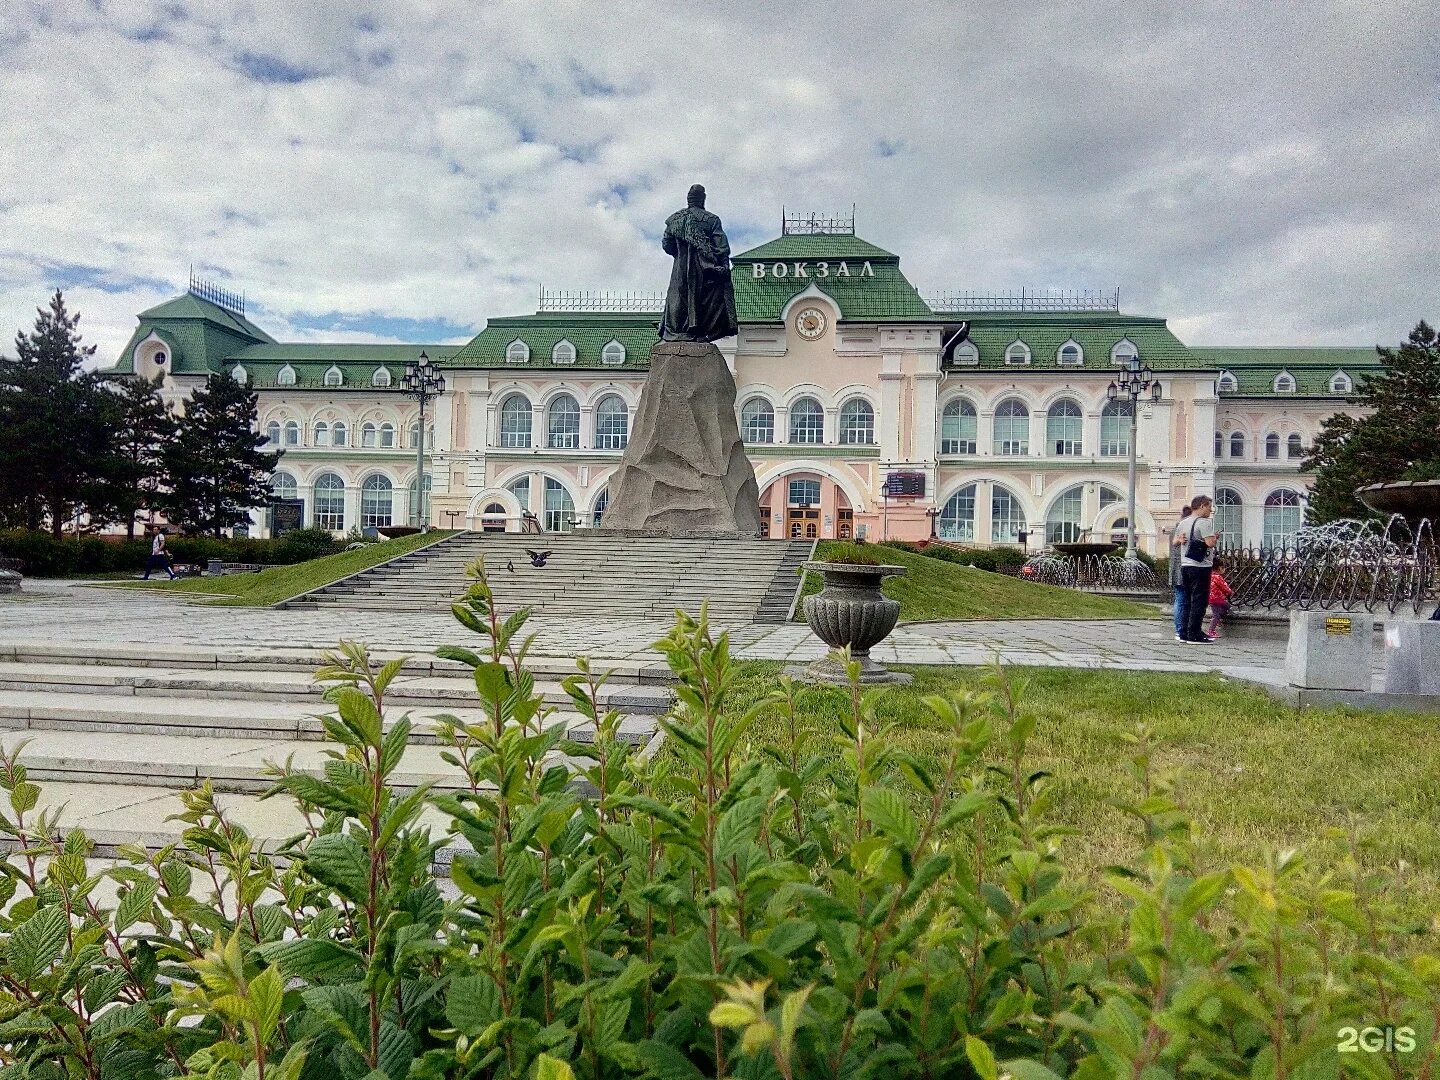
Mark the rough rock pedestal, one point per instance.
(685, 471)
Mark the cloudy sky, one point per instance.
(403, 170)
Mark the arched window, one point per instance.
(334, 377)
(1284, 383)
(1228, 518)
(1065, 428)
(1272, 446)
(515, 419)
(387, 436)
(562, 353)
(1070, 354)
(338, 434)
(559, 507)
(1124, 352)
(957, 519)
(1219, 444)
(292, 433)
(415, 437)
(272, 433)
(283, 486)
(1063, 523)
(562, 423)
(492, 518)
(757, 421)
(517, 352)
(381, 377)
(376, 501)
(1115, 428)
(322, 434)
(521, 490)
(425, 506)
(1227, 383)
(857, 423)
(1340, 383)
(612, 353)
(966, 353)
(1282, 517)
(1017, 353)
(612, 423)
(329, 502)
(959, 427)
(239, 374)
(1007, 516)
(1012, 428)
(285, 376)
(369, 435)
(1294, 446)
(601, 505)
(807, 421)
(1237, 444)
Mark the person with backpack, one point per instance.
(1196, 564)
(1177, 552)
(159, 557)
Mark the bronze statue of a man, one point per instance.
(700, 304)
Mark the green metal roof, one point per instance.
(880, 295)
(589, 332)
(1097, 333)
(315, 352)
(190, 306)
(822, 246)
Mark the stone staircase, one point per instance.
(586, 574)
(115, 734)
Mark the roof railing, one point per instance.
(813, 224)
(220, 297)
(599, 300)
(1029, 300)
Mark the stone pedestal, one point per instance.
(1412, 658)
(1330, 650)
(685, 471)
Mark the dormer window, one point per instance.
(1124, 352)
(160, 358)
(517, 352)
(1340, 383)
(1284, 383)
(239, 374)
(285, 376)
(966, 353)
(562, 353)
(334, 377)
(613, 353)
(381, 377)
(1227, 383)
(1018, 353)
(1070, 354)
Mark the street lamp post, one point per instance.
(1134, 383)
(421, 381)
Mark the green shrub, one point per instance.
(810, 909)
(44, 556)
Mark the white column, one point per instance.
(587, 428)
(782, 424)
(985, 433)
(352, 505)
(831, 436)
(983, 492)
(537, 425)
(888, 420)
(927, 416)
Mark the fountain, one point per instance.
(1089, 566)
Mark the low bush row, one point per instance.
(41, 555)
(992, 559)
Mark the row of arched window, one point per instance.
(563, 352)
(1070, 354)
(327, 505)
(1284, 383)
(368, 435)
(562, 423)
(1282, 517)
(288, 376)
(807, 422)
(1064, 429)
(1294, 445)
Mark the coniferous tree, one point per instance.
(144, 427)
(214, 466)
(1397, 437)
(56, 426)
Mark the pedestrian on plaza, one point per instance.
(1196, 565)
(1177, 552)
(159, 557)
(1220, 593)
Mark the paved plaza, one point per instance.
(68, 613)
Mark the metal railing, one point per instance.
(1090, 572)
(1028, 300)
(599, 300)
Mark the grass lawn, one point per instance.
(277, 583)
(1253, 774)
(933, 590)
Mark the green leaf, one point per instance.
(341, 863)
(473, 1004)
(981, 1058)
(314, 960)
(38, 942)
(1024, 1068)
(266, 991)
(789, 935)
(887, 810)
(549, 1068)
(135, 904)
(663, 1062)
(738, 826)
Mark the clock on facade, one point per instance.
(810, 323)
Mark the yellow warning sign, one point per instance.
(1338, 625)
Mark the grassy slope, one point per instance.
(1255, 775)
(282, 582)
(934, 590)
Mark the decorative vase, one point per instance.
(851, 612)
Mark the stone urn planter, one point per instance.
(852, 612)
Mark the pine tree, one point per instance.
(144, 427)
(1395, 437)
(56, 426)
(214, 466)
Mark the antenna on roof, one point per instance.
(210, 292)
(813, 224)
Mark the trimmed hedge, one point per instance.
(41, 555)
(992, 559)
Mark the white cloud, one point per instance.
(1256, 177)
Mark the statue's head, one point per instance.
(696, 195)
